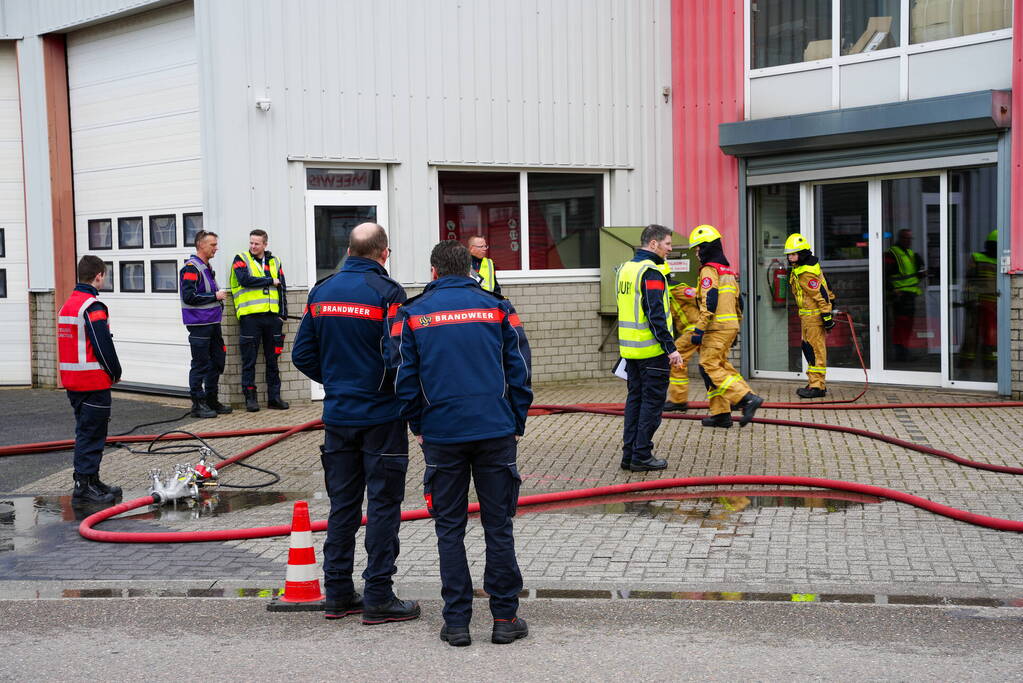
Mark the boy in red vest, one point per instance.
(88, 368)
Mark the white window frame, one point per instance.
(836, 61)
(528, 275)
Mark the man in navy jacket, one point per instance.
(343, 343)
(464, 384)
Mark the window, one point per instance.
(3, 283)
(192, 223)
(163, 276)
(869, 25)
(163, 231)
(342, 179)
(101, 234)
(129, 233)
(108, 281)
(789, 31)
(133, 276)
(3, 243)
(940, 19)
(565, 214)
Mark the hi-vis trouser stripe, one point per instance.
(820, 369)
(679, 380)
(718, 391)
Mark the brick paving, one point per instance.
(728, 541)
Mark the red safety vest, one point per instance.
(79, 369)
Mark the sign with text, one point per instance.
(342, 179)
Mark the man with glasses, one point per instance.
(202, 308)
(482, 268)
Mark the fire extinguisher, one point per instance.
(777, 281)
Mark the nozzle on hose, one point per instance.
(181, 484)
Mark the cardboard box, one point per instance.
(817, 49)
(877, 36)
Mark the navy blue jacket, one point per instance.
(343, 343)
(653, 303)
(465, 363)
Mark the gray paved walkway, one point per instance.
(729, 541)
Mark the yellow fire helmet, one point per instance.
(796, 243)
(702, 234)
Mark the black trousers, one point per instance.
(92, 415)
(375, 460)
(208, 358)
(266, 329)
(491, 464)
(648, 387)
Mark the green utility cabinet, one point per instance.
(618, 244)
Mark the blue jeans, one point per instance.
(491, 463)
(648, 387)
(356, 459)
(92, 415)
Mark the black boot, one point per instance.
(200, 409)
(251, 402)
(115, 491)
(749, 404)
(672, 407)
(339, 609)
(508, 630)
(275, 403)
(87, 493)
(648, 465)
(811, 392)
(213, 401)
(394, 610)
(723, 420)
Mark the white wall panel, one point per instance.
(135, 138)
(875, 82)
(530, 84)
(15, 353)
(795, 93)
(986, 66)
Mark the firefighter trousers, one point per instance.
(815, 349)
(678, 383)
(725, 386)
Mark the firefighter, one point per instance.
(344, 344)
(646, 344)
(904, 273)
(482, 269)
(202, 308)
(716, 331)
(981, 338)
(467, 410)
(88, 368)
(814, 300)
(684, 313)
(260, 302)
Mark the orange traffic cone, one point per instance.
(301, 587)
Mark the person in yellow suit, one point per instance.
(814, 300)
(716, 330)
(684, 314)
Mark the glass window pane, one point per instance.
(940, 19)
(3, 243)
(869, 25)
(566, 212)
(841, 234)
(108, 281)
(129, 233)
(164, 276)
(911, 232)
(484, 204)
(3, 283)
(333, 227)
(342, 179)
(101, 234)
(789, 31)
(163, 231)
(973, 274)
(133, 276)
(193, 223)
(776, 320)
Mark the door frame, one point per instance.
(315, 198)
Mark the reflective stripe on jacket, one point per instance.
(249, 300)
(636, 339)
(487, 274)
(907, 280)
(810, 289)
(79, 368)
(196, 277)
(718, 297)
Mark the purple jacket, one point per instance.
(198, 286)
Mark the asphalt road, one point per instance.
(31, 415)
(235, 639)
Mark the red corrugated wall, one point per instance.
(1016, 218)
(707, 89)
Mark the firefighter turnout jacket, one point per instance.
(343, 343)
(252, 285)
(465, 363)
(644, 315)
(718, 298)
(85, 348)
(810, 289)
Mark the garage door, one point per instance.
(134, 101)
(15, 354)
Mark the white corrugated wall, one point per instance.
(422, 83)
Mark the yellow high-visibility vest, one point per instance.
(907, 280)
(249, 300)
(487, 274)
(635, 338)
